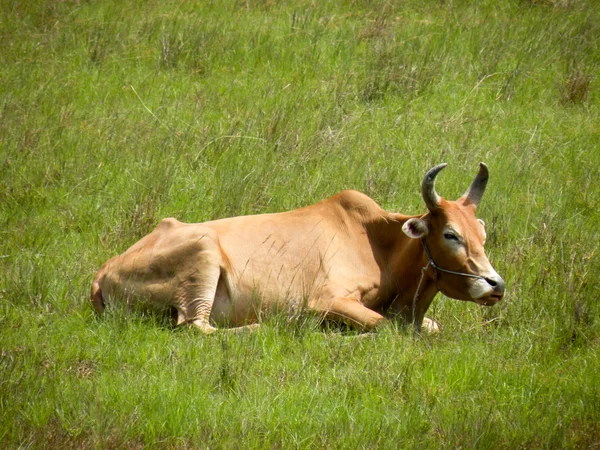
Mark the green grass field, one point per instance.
(114, 115)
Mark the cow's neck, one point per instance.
(402, 272)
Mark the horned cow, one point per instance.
(344, 258)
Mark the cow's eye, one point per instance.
(450, 237)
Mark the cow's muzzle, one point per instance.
(496, 294)
(497, 284)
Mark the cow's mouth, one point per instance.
(490, 300)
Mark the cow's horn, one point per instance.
(428, 188)
(477, 188)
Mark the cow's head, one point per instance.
(455, 239)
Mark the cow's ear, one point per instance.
(415, 228)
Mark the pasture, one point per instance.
(114, 115)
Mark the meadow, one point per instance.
(114, 115)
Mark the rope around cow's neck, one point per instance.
(416, 296)
(431, 263)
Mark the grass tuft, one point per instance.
(576, 87)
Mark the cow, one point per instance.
(344, 258)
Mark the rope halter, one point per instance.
(431, 262)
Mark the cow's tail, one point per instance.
(96, 295)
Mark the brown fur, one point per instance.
(344, 257)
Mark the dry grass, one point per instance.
(576, 87)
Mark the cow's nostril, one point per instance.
(497, 283)
(491, 282)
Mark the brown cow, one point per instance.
(344, 258)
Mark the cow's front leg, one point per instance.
(348, 310)
(421, 323)
(412, 310)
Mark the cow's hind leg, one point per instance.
(198, 279)
(199, 291)
(240, 329)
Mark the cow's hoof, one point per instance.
(430, 326)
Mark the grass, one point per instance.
(113, 116)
